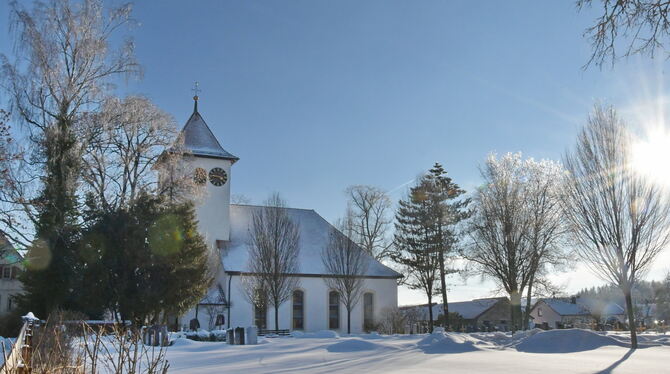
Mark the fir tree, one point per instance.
(446, 212)
(144, 262)
(414, 243)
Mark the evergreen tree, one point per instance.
(446, 212)
(414, 243)
(144, 262)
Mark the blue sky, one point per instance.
(314, 96)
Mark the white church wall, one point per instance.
(315, 305)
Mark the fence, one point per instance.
(17, 360)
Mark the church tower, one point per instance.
(210, 165)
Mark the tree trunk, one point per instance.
(276, 318)
(443, 280)
(631, 318)
(348, 321)
(430, 313)
(515, 299)
(526, 314)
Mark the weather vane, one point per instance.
(196, 89)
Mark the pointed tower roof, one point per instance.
(199, 139)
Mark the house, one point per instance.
(605, 312)
(10, 268)
(488, 314)
(561, 313)
(225, 226)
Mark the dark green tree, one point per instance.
(414, 247)
(446, 212)
(144, 262)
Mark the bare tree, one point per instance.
(370, 209)
(254, 292)
(515, 228)
(619, 220)
(125, 141)
(65, 65)
(345, 264)
(274, 251)
(11, 227)
(642, 26)
(546, 228)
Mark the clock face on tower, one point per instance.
(218, 177)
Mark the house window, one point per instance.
(7, 272)
(539, 312)
(368, 311)
(333, 310)
(298, 310)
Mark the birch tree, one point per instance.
(618, 219)
(66, 64)
(274, 250)
(345, 264)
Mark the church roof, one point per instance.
(314, 233)
(200, 141)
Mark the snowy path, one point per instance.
(406, 354)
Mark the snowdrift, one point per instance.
(353, 345)
(441, 342)
(566, 341)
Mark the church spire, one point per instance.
(195, 89)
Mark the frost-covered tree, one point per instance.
(125, 141)
(515, 228)
(619, 220)
(345, 264)
(65, 65)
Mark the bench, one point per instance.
(264, 332)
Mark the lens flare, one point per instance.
(651, 156)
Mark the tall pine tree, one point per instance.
(413, 242)
(446, 211)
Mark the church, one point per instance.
(225, 227)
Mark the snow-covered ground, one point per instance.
(556, 351)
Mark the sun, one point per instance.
(651, 156)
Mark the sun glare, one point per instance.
(651, 156)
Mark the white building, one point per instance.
(10, 268)
(225, 226)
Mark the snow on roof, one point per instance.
(566, 308)
(598, 306)
(467, 309)
(200, 141)
(314, 233)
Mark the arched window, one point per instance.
(368, 312)
(333, 310)
(260, 311)
(260, 316)
(298, 310)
